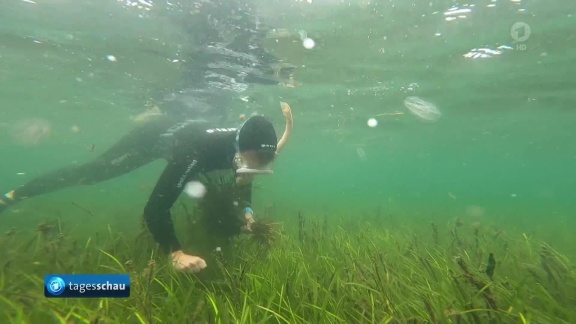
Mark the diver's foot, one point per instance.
(6, 200)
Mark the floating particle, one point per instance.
(422, 109)
(195, 189)
(394, 113)
(372, 122)
(111, 58)
(361, 153)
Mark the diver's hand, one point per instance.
(248, 215)
(187, 263)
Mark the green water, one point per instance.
(505, 138)
(503, 151)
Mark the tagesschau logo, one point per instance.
(87, 286)
(55, 286)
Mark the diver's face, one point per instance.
(252, 160)
(249, 164)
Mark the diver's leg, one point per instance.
(139, 147)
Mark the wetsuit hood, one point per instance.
(255, 134)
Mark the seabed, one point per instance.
(311, 269)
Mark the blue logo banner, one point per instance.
(87, 286)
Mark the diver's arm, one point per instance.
(287, 112)
(168, 188)
(158, 218)
(245, 198)
(157, 211)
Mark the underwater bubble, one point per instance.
(195, 189)
(308, 43)
(422, 109)
(372, 122)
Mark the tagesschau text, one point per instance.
(87, 286)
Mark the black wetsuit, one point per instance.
(191, 148)
(228, 56)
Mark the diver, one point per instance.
(189, 133)
(191, 148)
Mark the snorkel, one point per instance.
(244, 173)
(288, 130)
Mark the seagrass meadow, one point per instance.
(371, 268)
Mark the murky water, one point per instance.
(498, 144)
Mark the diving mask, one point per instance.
(243, 167)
